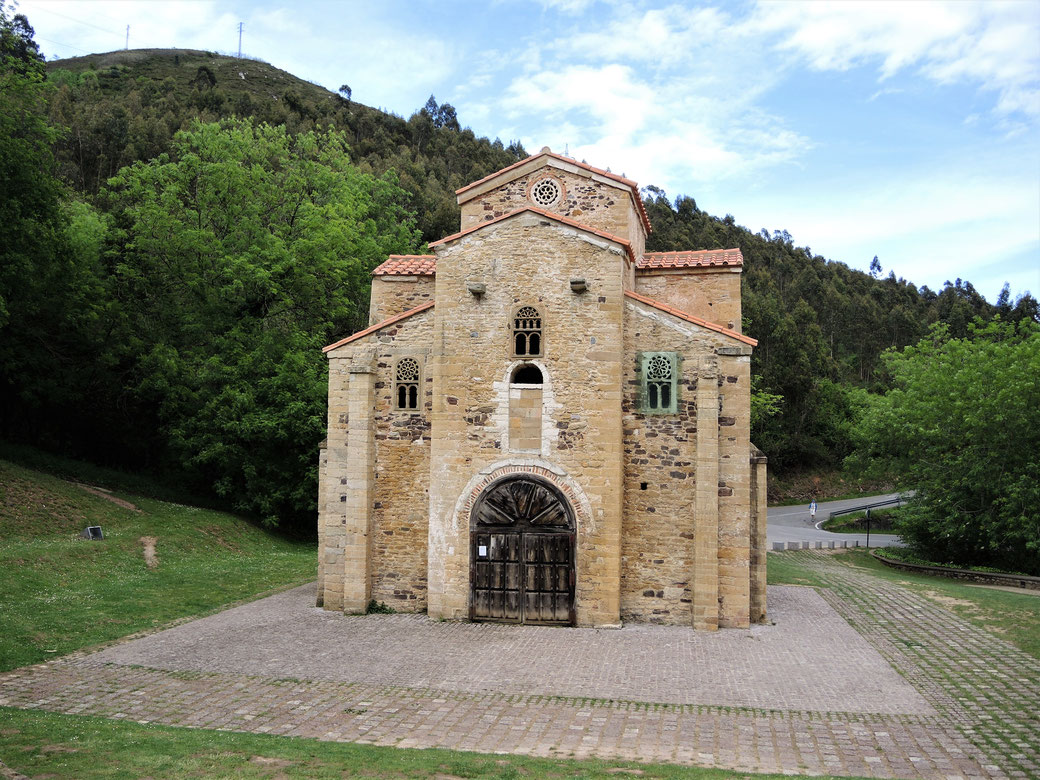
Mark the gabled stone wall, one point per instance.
(684, 548)
(528, 260)
(605, 205)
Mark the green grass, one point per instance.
(789, 569)
(882, 521)
(92, 474)
(71, 746)
(59, 593)
(1013, 616)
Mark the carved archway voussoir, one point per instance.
(559, 479)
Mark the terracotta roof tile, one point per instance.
(690, 318)
(633, 186)
(705, 258)
(549, 215)
(407, 265)
(379, 326)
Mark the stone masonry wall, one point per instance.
(527, 260)
(734, 486)
(658, 564)
(375, 483)
(400, 517)
(395, 294)
(712, 294)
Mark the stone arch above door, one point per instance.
(534, 467)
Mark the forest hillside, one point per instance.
(182, 231)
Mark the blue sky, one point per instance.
(907, 130)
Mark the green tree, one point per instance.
(52, 294)
(238, 256)
(960, 427)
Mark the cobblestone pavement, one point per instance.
(765, 667)
(964, 706)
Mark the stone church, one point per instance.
(546, 424)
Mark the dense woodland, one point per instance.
(181, 231)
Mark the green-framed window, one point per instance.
(659, 382)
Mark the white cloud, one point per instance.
(669, 95)
(989, 44)
(929, 225)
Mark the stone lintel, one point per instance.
(732, 351)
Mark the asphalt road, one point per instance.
(793, 523)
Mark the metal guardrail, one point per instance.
(863, 507)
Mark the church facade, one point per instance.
(545, 423)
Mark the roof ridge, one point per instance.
(550, 215)
(690, 317)
(407, 265)
(693, 251)
(691, 258)
(379, 326)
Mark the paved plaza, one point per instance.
(864, 678)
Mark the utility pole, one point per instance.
(128, 36)
(240, 40)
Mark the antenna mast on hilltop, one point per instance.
(240, 40)
(127, 36)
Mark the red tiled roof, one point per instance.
(705, 258)
(634, 186)
(379, 326)
(549, 215)
(407, 265)
(690, 318)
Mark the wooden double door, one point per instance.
(522, 554)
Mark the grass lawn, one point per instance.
(59, 593)
(1014, 616)
(882, 521)
(72, 746)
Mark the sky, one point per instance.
(907, 130)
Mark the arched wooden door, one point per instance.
(522, 554)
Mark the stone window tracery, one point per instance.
(546, 192)
(527, 332)
(406, 384)
(659, 380)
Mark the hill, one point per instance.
(207, 363)
(125, 106)
(159, 561)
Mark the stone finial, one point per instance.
(546, 150)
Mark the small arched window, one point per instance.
(527, 332)
(406, 384)
(527, 374)
(659, 380)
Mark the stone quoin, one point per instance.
(544, 423)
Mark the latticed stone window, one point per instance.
(546, 192)
(527, 332)
(659, 374)
(406, 384)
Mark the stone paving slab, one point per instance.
(771, 666)
(980, 718)
(748, 740)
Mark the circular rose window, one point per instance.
(546, 192)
